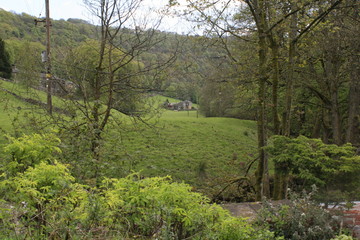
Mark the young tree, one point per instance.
(108, 71)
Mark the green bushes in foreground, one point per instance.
(44, 201)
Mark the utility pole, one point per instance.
(48, 62)
(47, 57)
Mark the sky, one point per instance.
(64, 9)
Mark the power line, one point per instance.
(28, 7)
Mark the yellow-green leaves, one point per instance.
(29, 150)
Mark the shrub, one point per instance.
(44, 201)
(29, 150)
(161, 209)
(158, 207)
(342, 237)
(300, 218)
(41, 200)
(303, 162)
(232, 228)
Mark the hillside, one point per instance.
(205, 152)
(192, 57)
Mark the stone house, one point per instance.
(180, 106)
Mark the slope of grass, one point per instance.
(27, 92)
(11, 108)
(205, 152)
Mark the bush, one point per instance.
(29, 150)
(44, 202)
(237, 228)
(300, 218)
(161, 209)
(301, 162)
(41, 200)
(342, 237)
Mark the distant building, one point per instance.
(180, 106)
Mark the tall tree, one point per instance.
(279, 27)
(353, 33)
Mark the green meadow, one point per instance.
(204, 152)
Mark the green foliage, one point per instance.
(5, 66)
(26, 57)
(310, 161)
(236, 228)
(158, 208)
(342, 237)
(45, 202)
(299, 219)
(155, 206)
(41, 196)
(29, 150)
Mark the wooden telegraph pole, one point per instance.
(46, 57)
(48, 62)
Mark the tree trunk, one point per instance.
(352, 134)
(290, 76)
(353, 131)
(335, 117)
(316, 131)
(275, 83)
(281, 179)
(262, 173)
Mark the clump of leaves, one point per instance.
(302, 162)
(155, 206)
(158, 208)
(29, 150)
(46, 200)
(299, 218)
(342, 237)
(39, 192)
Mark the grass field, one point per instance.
(204, 152)
(12, 108)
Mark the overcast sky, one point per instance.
(64, 9)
